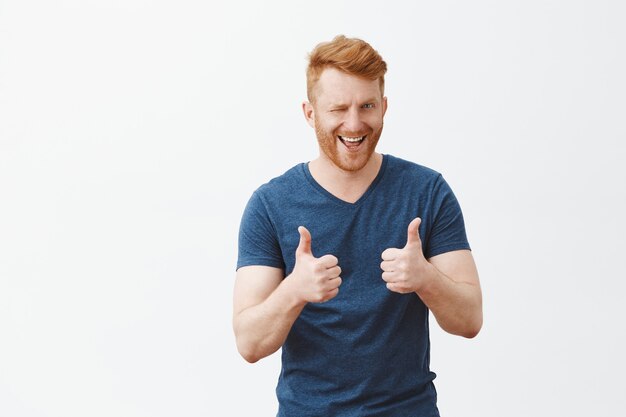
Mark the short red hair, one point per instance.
(351, 55)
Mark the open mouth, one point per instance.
(352, 142)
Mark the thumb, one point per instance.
(304, 247)
(413, 232)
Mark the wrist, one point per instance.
(292, 293)
(430, 277)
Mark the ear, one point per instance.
(309, 113)
(384, 105)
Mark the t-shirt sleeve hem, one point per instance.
(448, 248)
(260, 262)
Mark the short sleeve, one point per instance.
(258, 242)
(447, 232)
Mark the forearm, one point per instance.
(261, 330)
(456, 305)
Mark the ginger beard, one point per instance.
(346, 160)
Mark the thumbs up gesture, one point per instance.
(318, 278)
(405, 270)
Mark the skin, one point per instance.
(265, 305)
(345, 105)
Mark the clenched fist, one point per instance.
(318, 278)
(406, 270)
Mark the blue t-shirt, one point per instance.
(366, 351)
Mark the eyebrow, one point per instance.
(341, 104)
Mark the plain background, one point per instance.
(133, 132)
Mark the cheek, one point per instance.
(324, 134)
(331, 119)
(375, 122)
(327, 126)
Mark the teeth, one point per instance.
(347, 139)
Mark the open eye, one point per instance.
(368, 106)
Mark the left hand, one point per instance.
(406, 270)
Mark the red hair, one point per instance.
(351, 55)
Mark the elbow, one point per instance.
(473, 322)
(243, 347)
(471, 330)
(247, 348)
(247, 351)
(250, 357)
(253, 353)
(468, 328)
(471, 333)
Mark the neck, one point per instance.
(347, 185)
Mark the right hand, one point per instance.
(317, 278)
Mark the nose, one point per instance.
(352, 122)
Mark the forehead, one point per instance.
(338, 86)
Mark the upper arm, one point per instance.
(459, 265)
(253, 284)
(445, 233)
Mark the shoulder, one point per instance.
(290, 179)
(409, 172)
(283, 185)
(402, 166)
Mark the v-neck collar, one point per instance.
(337, 200)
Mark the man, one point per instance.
(341, 259)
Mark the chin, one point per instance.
(334, 149)
(353, 166)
